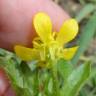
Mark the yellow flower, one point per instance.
(26, 54)
(47, 46)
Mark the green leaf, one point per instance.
(10, 63)
(76, 80)
(20, 74)
(32, 65)
(64, 68)
(93, 72)
(88, 8)
(28, 77)
(86, 36)
(22, 91)
(83, 92)
(2, 52)
(14, 73)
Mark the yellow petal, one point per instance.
(67, 32)
(69, 53)
(26, 54)
(43, 26)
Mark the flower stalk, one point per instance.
(56, 88)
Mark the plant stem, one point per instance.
(36, 83)
(56, 91)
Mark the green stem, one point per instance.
(36, 83)
(56, 91)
